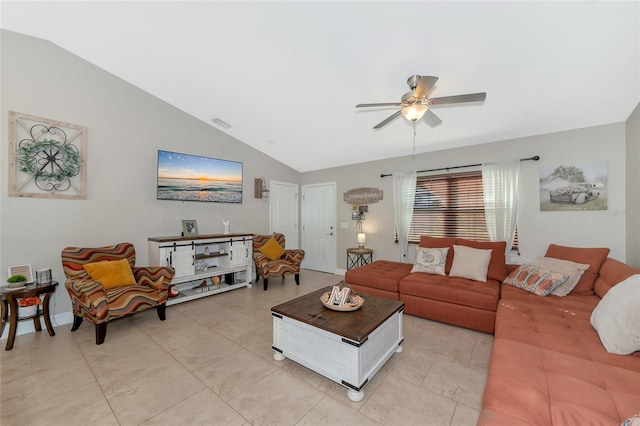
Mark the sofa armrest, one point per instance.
(294, 256)
(88, 298)
(260, 259)
(149, 275)
(511, 267)
(262, 263)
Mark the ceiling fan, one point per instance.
(415, 104)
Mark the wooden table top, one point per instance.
(354, 325)
(32, 289)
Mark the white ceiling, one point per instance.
(287, 75)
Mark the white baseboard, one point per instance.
(25, 327)
(340, 271)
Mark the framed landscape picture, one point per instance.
(186, 177)
(574, 186)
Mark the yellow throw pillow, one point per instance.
(272, 249)
(111, 274)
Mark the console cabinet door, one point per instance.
(235, 253)
(239, 253)
(183, 261)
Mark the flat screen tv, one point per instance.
(184, 177)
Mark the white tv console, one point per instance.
(198, 260)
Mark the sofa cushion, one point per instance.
(430, 260)
(617, 317)
(460, 291)
(470, 263)
(594, 257)
(498, 264)
(381, 274)
(548, 366)
(112, 273)
(435, 242)
(572, 269)
(123, 301)
(536, 280)
(611, 273)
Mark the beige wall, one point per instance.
(632, 209)
(126, 127)
(536, 229)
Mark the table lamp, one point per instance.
(361, 239)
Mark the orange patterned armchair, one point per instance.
(286, 264)
(92, 301)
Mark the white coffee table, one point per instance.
(346, 347)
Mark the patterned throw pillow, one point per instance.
(430, 260)
(632, 421)
(536, 280)
(574, 270)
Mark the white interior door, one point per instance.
(319, 226)
(283, 211)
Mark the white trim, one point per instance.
(25, 327)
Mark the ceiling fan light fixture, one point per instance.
(414, 112)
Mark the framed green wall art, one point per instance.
(47, 158)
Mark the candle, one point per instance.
(361, 239)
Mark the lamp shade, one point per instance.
(361, 239)
(414, 112)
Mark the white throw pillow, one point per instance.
(471, 263)
(430, 260)
(564, 267)
(617, 317)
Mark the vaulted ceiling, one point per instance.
(287, 75)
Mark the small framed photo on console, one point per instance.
(189, 228)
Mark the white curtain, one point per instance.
(404, 194)
(500, 188)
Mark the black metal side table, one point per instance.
(358, 257)
(9, 308)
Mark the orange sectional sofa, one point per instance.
(548, 365)
(454, 300)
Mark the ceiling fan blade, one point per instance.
(431, 118)
(387, 120)
(424, 86)
(472, 97)
(378, 104)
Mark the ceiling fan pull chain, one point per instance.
(414, 135)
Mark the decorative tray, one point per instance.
(355, 302)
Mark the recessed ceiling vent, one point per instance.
(221, 123)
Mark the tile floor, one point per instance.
(211, 363)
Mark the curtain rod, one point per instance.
(534, 158)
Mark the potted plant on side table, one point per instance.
(17, 281)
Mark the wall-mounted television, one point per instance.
(184, 177)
